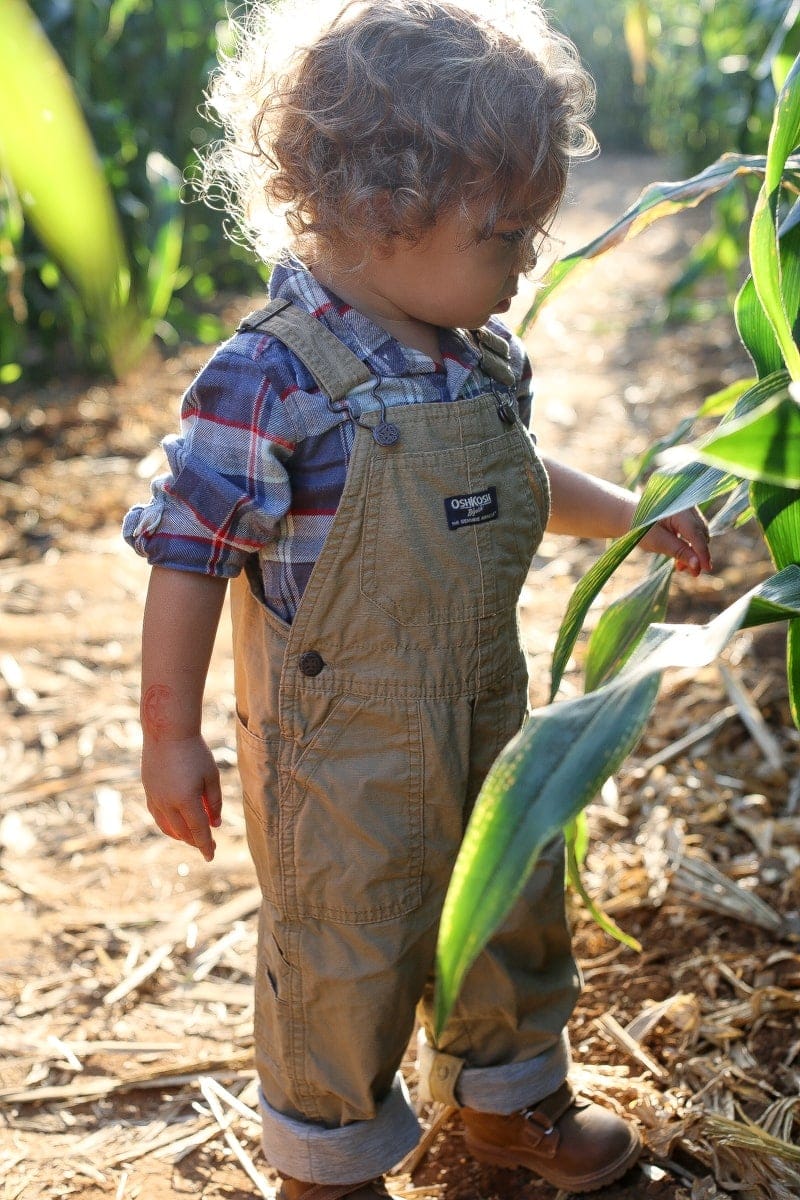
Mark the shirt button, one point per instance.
(311, 663)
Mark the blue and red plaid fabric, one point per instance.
(260, 463)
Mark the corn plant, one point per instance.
(52, 173)
(98, 123)
(550, 771)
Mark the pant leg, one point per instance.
(334, 1016)
(336, 994)
(505, 1044)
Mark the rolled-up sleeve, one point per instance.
(228, 487)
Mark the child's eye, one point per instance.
(522, 241)
(513, 237)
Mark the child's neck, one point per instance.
(357, 291)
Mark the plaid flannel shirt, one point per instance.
(260, 463)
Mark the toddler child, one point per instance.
(356, 460)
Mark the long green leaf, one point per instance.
(793, 669)
(601, 918)
(718, 404)
(756, 331)
(557, 763)
(46, 150)
(777, 510)
(623, 625)
(755, 328)
(765, 259)
(667, 492)
(656, 201)
(735, 511)
(764, 445)
(166, 213)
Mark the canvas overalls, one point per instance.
(365, 730)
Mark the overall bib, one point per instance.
(365, 730)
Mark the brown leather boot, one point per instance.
(295, 1189)
(571, 1143)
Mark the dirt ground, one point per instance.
(125, 989)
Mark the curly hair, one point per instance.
(397, 112)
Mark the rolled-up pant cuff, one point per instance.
(500, 1089)
(354, 1153)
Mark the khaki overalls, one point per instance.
(366, 728)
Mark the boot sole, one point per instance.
(497, 1157)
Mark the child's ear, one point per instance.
(387, 227)
(379, 220)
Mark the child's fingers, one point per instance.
(195, 830)
(212, 801)
(687, 559)
(190, 826)
(683, 537)
(692, 527)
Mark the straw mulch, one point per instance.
(127, 963)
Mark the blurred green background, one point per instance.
(690, 78)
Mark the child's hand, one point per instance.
(684, 537)
(181, 782)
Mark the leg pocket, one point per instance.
(355, 806)
(258, 771)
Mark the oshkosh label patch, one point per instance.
(471, 509)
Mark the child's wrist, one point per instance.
(150, 739)
(166, 717)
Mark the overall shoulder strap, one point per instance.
(495, 356)
(335, 368)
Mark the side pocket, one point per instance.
(258, 771)
(356, 809)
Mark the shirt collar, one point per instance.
(383, 353)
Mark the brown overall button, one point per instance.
(311, 663)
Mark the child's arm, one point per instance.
(585, 506)
(180, 777)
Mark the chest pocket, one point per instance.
(449, 535)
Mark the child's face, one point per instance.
(450, 278)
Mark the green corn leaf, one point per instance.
(783, 46)
(581, 599)
(623, 625)
(755, 329)
(576, 835)
(793, 669)
(785, 131)
(165, 257)
(735, 512)
(557, 763)
(46, 150)
(783, 61)
(765, 259)
(719, 404)
(667, 492)
(656, 201)
(763, 445)
(777, 510)
(601, 918)
(520, 809)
